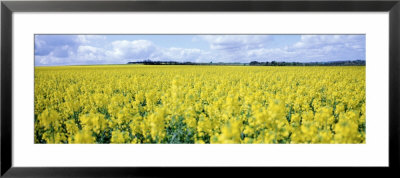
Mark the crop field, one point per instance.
(199, 104)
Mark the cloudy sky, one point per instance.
(53, 50)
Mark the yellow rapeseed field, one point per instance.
(199, 104)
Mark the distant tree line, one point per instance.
(256, 63)
(330, 63)
(149, 62)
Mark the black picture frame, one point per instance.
(8, 7)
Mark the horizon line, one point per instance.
(199, 63)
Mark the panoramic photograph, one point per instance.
(200, 89)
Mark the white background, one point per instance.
(373, 153)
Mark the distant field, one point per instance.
(199, 104)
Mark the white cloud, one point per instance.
(334, 41)
(89, 53)
(328, 48)
(50, 59)
(88, 49)
(89, 38)
(181, 54)
(131, 50)
(235, 42)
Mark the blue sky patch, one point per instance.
(53, 50)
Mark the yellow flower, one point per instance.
(199, 104)
(83, 137)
